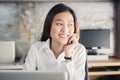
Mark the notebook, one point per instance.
(32, 75)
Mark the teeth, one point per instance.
(62, 35)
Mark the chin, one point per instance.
(64, 42)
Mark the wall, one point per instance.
(23, 21)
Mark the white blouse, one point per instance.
(40, 56)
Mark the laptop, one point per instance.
(32, 75)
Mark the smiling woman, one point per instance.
(62, 28)
(58, 49)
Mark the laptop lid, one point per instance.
(32, 75)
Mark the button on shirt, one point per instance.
(41, 57)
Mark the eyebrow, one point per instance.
(58, 20)
(62, 20)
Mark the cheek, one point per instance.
(71, 31)
(53, 31)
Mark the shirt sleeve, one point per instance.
(76, 69)
(30, 61)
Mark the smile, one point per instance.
(63, 35)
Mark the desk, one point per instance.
(112, 62)
(12, 66)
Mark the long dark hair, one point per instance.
(50, 16)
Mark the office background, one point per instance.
(22, 22)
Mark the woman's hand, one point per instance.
(73, 41)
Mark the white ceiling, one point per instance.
(62, 0)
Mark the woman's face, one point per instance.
(62, 27)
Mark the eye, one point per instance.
(59, 23)
(70, 24)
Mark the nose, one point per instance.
(64, 28)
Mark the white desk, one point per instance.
(12, 66)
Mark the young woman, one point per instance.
(58, 49)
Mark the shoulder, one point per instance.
(38, 45)
(80, 50)
(80, 46)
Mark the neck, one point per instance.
(56, 48)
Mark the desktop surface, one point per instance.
(32, 75)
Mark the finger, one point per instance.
(72, 39)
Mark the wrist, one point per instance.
(68, 59)
(68, 51)
(68, 54)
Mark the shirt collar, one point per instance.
(47, 44)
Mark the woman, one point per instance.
(58, 48)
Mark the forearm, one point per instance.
(74, 74)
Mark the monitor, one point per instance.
(94, 39)
(7, 52)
